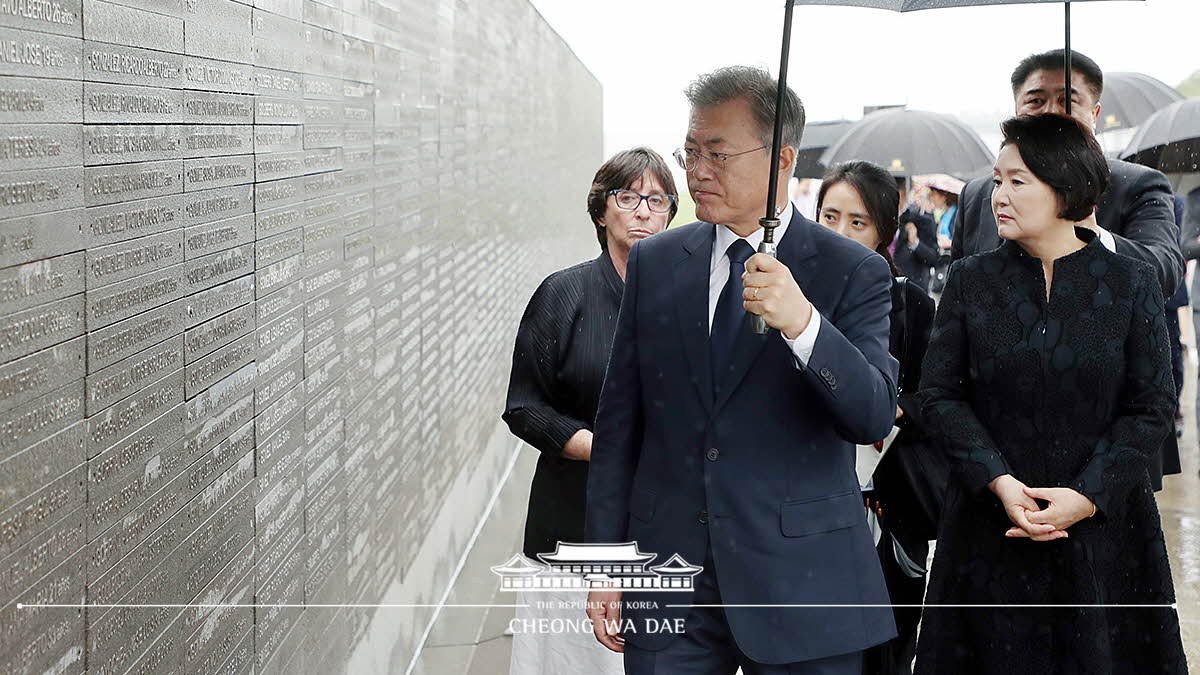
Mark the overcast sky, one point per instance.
(644, 53)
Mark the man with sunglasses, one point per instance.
(735, 450)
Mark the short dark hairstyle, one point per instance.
(877, 189)
(1055, 59)
(758, 89)
(619, 172)
(1063, 154)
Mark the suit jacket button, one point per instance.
(712, 454)
(825, 374)
(702, 517)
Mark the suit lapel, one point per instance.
(793, 250)
(691, 287)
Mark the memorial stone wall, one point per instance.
(260, 268)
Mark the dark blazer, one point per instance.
(916, 262)
(1137, 210)
(558, 366)
(762, 471)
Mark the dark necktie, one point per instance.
(729, 315)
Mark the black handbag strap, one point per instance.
(902, 283)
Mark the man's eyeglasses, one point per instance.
(689, 158)
(630, 200)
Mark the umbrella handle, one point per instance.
(766, 247)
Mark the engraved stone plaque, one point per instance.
(40, 146)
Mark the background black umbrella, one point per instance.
(913, 142)
(1170, 140)
(818, 136)
(1128, 100)
(770, 221)
(1131, 98)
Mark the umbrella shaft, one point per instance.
(1067, 68)
(777, 139)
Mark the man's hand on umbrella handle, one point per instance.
(769, 290)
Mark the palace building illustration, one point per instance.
(620, 566)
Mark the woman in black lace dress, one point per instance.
(1048, 380)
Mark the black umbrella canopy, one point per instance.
(1131, 98)
(918, 5)
(895, 6)
(1170, 140)
(818, 136)
(913, 142)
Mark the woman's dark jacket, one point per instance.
(559, 360)
(1075, 391)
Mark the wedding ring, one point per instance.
(756, 294)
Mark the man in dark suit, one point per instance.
(916, 242)
(1135, 217)
(734, 450)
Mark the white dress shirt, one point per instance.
(718, 274)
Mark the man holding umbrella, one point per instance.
(733, 448)
(1135, 217)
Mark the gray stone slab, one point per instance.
(46, 235)
(21, 570)
(118, 24)
(40, 282)
(228, 393)
(125, 260)
(209, 238)
(205, 305)
(29, 470)
(29, 423)
(206, 173)
(277, 137)
(206, 107)
(40, 146)
(40, 373)
(218, 268)
(218, 29)
(120, 64)
(272, 250)
(119, 103)
(24, 193)
(281, 274)
(108, 345)
(33, 100)
(280, 411)
(280, 380)
(279, 302)
(150, 454)
(214, 429)
(205, 371)
(52, 637)
(112, 303)
(124, 378)
(33, 54)
(279, 110)
(287, 349)
(62, 17)
(126, 417)
(216, 333)
(41, 510)
(127, 182)
(284, 83)
(123, 143)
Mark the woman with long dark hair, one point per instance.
(861, 200)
